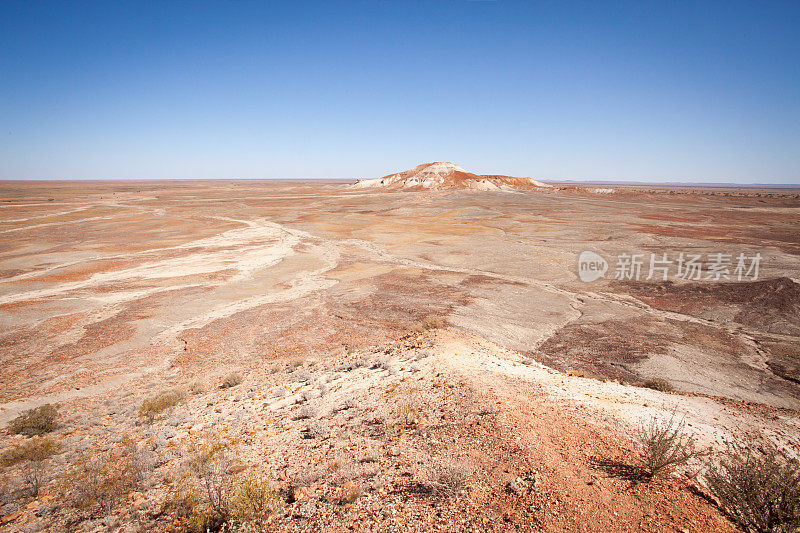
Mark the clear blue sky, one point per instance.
(661, 91)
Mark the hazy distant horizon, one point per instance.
(565, 182)
(656, 92)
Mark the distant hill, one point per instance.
(447, 176)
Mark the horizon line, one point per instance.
(545, 180)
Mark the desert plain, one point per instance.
(378, 336)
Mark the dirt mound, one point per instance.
(444, 176)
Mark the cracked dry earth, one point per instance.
(382, 337)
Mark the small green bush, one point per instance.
(36, 421)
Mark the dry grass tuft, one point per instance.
(316, 430)
(350, 491)
(197, 387)
(445, 481)
(659, 384)
(155, 405)
(305, 412)
(231, 380)
(429, 323)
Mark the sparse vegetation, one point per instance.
(231, 380)
(302, 375)
(102, 480)
(182, 503)
(155, 405)
(231, 499)
(577, 373)
(253, 500)
(381, 363)
(665, 445)
(352, 365)
(427, 324)
(197, 387)
(659, 384)
(345, 405)
(36, 421)
(305, 412)
(408, 412)
(317, 430)
(445, 481)
(759, 487)
(213, 466)
(32, 455)
(488, 409)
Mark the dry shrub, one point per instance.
(759, 489)
(659, 384)
(253, 501)
(155, 405)
(230, 498)
(183, 504)
(305, 412)
(345, 473)
(231, 380)
(433, 322)
(104, 479)
(344, 405)
(429, 323)
(665, 445)
(36, 421)
(317, 430)
(445, 480)
(213, 465)
(32, 455)
(381, 363)
(408, 411)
